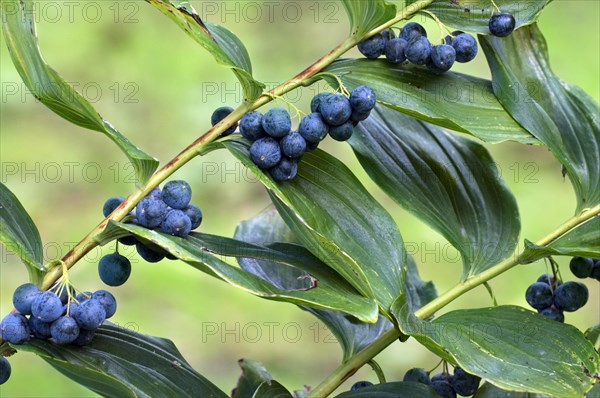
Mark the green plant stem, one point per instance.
(348, 368)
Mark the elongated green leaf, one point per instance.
(583, 240)
(488, 390)
(19, 233)
(51, 89)
(453, 100)
(367, 15)
(563, 118)
(474, 15)
(593, 333)
(393, 390)
(226, 48)
(503, 345)
(200, 250)
(448, 181)
(253, 375)
(272, 389)
(333, 216)
(122, 363)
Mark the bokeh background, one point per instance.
(159, 88)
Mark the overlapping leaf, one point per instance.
(333, 216)
(253, 375)
(123, 363)
(19, 233)
(201, 250)
(272, 389)
(459, 102)
(52, 90)
(367, 15)
(562, 117)
(392, 390)
(225, 47)
(448, 181)
(488, 390)
(474, 15)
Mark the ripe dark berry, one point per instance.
(83, 296)
(418, 50)
(465, 46)
(372, 47)
(150, 212)
(62, 292)
(195, 215)
(24, 296)
(277, 122)
(394, 50)
(360, 384)
(47, 307)
(155, 193)
(129, 240)
(553, 313)
(443, 57)
(443, 388)
(14, 329)
(4, 370)
(362, 99)
(335, 110)
(311, 146)
(114, 269)
(148, 254)
(388, 35)
(581, 267)
(39, 329)
(465, 384)
(85, 337)
(251, 126)
(265, 152)
(539, 295)
(91, 314)
(412, 30)
(343, 132)
(64, 330)
(220, 114)
(293, 145)
(501, 24)
(313, 127)
(442, 377)
(315, 103)
(358, 116)
(107, 300)
(111, 204)
(177, 194)
(596, 270)
(550, 280)
(177, 223)
(417, 375)
(571, 296)
(285, 170)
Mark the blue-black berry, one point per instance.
(581, 267)
(14, 328)
(177, 223)
(251, 126)
(335, 110)
(111, 204)
(553, 313)
(91, 314)
(177, 194)
(39, 329)
(539, 295)
(195, 215)
(23, 297)
(418, 50)
(4, 370)
(596, 270)
(47, 307)
(342, 132)
(149, 254)
(150, 212)
(85, 337)
(412, 30)
(417, 375)
(220, 114)
(265, 152)
(114, 269)
(362, 99)
(315, 103)
(293, 145)
(501, 24)
(571, 296)
(442, 57)
(443, 388)
(107, 300)
(394, 50)
(360, 384)
(465, 46)
(465, 384)
(313, 127)
(277, 122)
(373, 47)
(64, 330)
(550, 280)
(285, 170)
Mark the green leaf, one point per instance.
(459, 102)
(448, 181)
(364, 16)
(200, 250)
(583, 240)
(503, 345)
(226, 48)
(397, 389)
(253, 375)
(334, 217)
(488, 390)
(562, 117)
(122, 363)
(593, 333)
(19, 234)
(420, 292)
(48, 87)
(454, 13)
(272, 390)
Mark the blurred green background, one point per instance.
(159, 88)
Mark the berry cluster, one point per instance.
(168, 210)
(413, 45)
(550, 297)
(278, 149)
(61, 317)
(584, 267)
